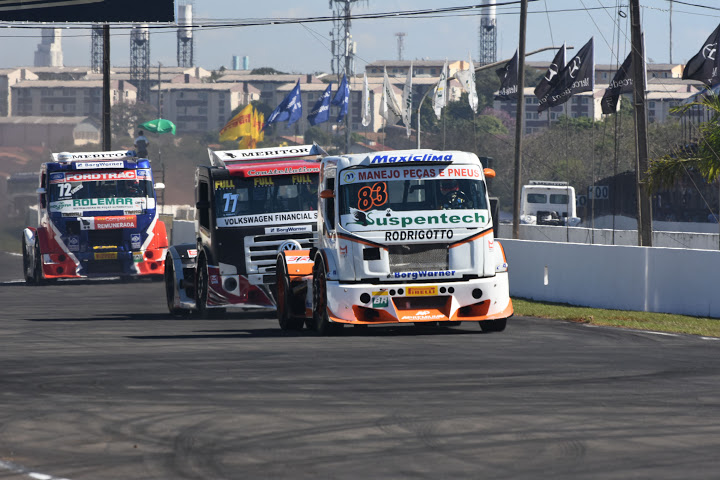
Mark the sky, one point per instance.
(306, 48)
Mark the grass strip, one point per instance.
(659, 322)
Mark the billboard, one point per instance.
(101, 11)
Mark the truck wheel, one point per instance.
(38, 278)
(201, 289)
(170, 290)
(28, 269)
(321, 321)
(284, 309)
(493, 325)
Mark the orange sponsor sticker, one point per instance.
(422, 291)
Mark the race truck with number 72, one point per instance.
(97, 217)
(404, 237)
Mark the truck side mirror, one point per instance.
(327, 194)
(159, 186)
(489, 172)
(41, 191)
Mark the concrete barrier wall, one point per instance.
(597, 236)
(653, 279)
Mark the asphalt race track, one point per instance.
(97, 381)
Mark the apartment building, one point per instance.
(9, 77)
(586, 104)
(201, 107)
(57, 98)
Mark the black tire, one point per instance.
(170, 290)
(284, 304)
(493, 325)
(201, 288)
(321, 321)
(38, 278)
(28, 270)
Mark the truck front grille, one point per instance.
(105, 237)
(261, 251)
(412, 257)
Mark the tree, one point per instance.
(266, 71)
(703, 158)
(215, 75)
(125, 117)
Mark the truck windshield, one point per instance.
(404, 195)
(268, 194)
(400, 197)
(129, 190)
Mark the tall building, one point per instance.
(49, 50)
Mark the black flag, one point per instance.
(551, 76)
(621, 83)
(704, 65)
(577, 76)
(508, 79)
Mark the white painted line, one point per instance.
(15, 468)
(666, 334)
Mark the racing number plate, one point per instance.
(106, 256)
(422, 291)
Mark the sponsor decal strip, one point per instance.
(410, 173)
(95, 176)
(424, 274)
(358, 220)
(266, 219)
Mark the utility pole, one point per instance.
(671, 5)
(348, 70)
(519, 122)
(641, 164)
(343, 46)
(106, 133)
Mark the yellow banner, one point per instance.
(239, 125)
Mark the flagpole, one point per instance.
(519, 121)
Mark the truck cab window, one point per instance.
(204, 204)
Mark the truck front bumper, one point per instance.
(469, 300)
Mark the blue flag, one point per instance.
(342, 98)
(321, 111)
(290, 108)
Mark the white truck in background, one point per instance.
(548, 203)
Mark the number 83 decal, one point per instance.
(372, 196)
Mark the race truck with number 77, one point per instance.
(249, 204)
(404, 237)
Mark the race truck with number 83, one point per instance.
(404, 237)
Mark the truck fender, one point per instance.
(187, 253)
(43, 239)
(501, 264)
(328, 257)
(181, 257)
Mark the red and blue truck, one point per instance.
(97, 217)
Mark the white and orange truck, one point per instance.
(403, 237)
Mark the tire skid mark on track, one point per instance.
(15, 468)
